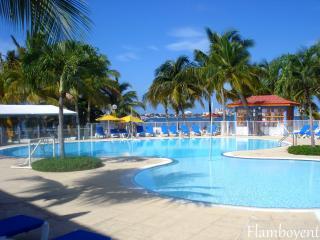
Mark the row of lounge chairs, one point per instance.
(113, 132)
(185, 131)
(19, 224)
(149, 131)
(306, 132)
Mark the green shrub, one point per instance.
(304, 150)
(67, 164)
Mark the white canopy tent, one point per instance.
(18, 110)
(31, 121)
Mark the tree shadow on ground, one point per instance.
(101, 186)
(11, 205)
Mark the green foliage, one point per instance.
(304, 150)
(59, 19)
(173, 86)
(67, 164)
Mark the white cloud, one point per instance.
(188, 39)
(153, 48)
(186, 32)
(127, 56)
(189, 45)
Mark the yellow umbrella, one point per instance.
(131, 118)
(108, 117)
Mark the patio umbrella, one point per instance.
(108, 118)
(131, 119)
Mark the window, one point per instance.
(242, 115)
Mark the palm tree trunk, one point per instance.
(182, 112)
(76, 107)
(223, 106)
(223, 103)
(88, 111)
(245, 105)
(311, 123)
(166, 112)
(249, 117)
(210, 109)
(60, 127)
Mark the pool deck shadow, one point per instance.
(59, 224)
(105, 200)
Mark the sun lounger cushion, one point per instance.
(149, 130)
(19, 224)
(99, 131)
(82, 235)
(140, 129)
(164, 129)
(185, 129)
(173, 129)
(303, 130)
(196, 129)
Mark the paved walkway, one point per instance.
(105, 200)
(276, 153)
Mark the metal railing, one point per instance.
(91, 131)
(33, 146)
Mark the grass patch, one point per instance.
(67, 164)
(304, 150)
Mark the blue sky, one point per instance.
(137, 36)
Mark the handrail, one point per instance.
(38, 142)
(282, 139)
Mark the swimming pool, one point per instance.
(199, 171)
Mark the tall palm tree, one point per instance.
(230, 55)
(270, 73)
(12, 78)
(204, 70)
(126, 100)
(59, 19)
(300, 78)
(58, 66)
(173, 85)
(157, 96)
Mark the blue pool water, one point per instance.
(199, 172)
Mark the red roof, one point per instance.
(265, 100)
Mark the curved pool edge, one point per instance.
(248, 155)
(168, 161)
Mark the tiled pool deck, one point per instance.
(105, 200)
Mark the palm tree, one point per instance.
(125, 99)
(12, 79)
(58, 66)
(173, 85)
(205, 72)
(230, 55)
(270, 73)
(59, 19)
(94, 78)
(300, 78)
(157, 96)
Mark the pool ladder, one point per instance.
(294, 137)
(282, 139)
